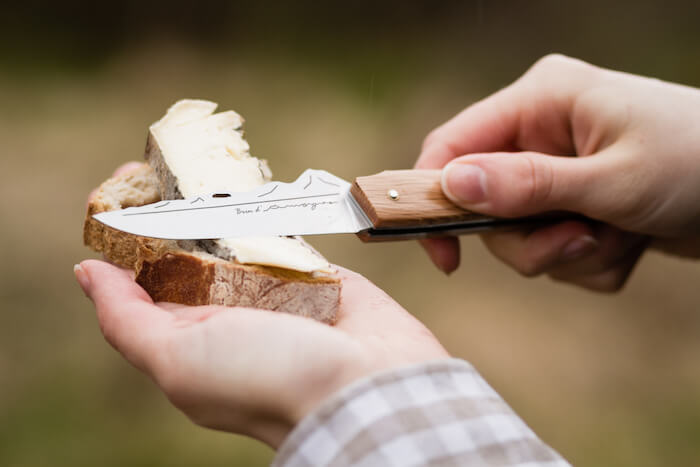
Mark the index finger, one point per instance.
(487, 126)
(532, 114)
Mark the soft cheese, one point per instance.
(282, 252)
(206, 153)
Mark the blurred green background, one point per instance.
(350, 87)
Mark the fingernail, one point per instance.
(464, 183)
(82, 278)
(578, 248)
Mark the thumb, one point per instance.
(526, 183)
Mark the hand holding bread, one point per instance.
(250, 371)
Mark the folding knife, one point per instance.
(390, 205)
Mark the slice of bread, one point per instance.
(170, 273)
(203, 273)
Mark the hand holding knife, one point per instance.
(390, 205)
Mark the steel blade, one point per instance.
(317, 202)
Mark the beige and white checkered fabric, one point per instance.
(439, 413)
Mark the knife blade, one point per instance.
(390, 205)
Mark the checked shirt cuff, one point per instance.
(436, 413)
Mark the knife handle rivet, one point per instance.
(393, 194)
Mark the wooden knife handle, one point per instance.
(407, 198)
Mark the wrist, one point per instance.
(360, 368)
(322, 386)
(362, 404)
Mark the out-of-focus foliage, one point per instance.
(607, 380)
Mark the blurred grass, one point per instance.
(607, 380)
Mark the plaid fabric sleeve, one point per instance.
(436, 413)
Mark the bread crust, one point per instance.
(135, 188)
(170, 273)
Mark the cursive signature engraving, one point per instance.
(305, 205)
(311, 205)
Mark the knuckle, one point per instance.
(431, 138)
(531, 266)
(610, 282)
(517, 256)
(533, 184)
(553, 61)
(529, 269)
(614, 286)
(541, 180)
(552, 65)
